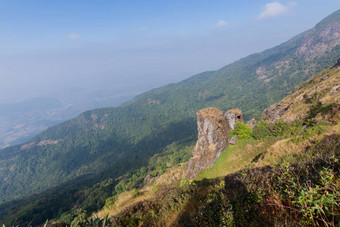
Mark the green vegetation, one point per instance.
(102, 152)
(302, 189)
(89, 198)
(302, 192)
(82, 220)
(171, 157)
(234, 158)
(247, 151)
(283, 194)
(261, 131)
(242, 131)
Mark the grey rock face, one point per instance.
(276, 111)
(233, 116)
(213, 133)
(233, 140)
(147, 179)
(335, 89)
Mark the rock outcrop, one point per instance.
(321, 89)
(233, 140)
(251, 123)
(213, 133)
(233, 116)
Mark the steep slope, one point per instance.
(291, 179)
(320, 92)
(213, 137)
(303, 118)
(111, 141)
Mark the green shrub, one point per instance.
(317, 108)
(279, 128)
(261, 131)
(242, 131)
(66, 217)
(81, 219)
(135, 192)
(316, 129)
(110, 202)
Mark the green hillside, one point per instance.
(109, 142)
(285, 173)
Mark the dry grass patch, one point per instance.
(125, 200)
(173, 175)
(128, 199)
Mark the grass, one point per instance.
(129, 198)
(289, 179)
(243, 155)
(251, 194)
(124, 200)
(284, 195)
(231, 160)
(234, 158)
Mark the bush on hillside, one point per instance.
(279, 128)
(242, 131)
(261, 131)
(110, 202)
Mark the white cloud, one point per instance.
(273, 9)
(221, 23)
(73, 36)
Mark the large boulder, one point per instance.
(213, 133)
(233, 116)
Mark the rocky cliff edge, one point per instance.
(213, 137)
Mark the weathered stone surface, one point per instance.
(233, 140)
(275, 112)
(318, 43)
(233, 116)
(335, 89)
(251, 123)
(147, 179)
(213, 133)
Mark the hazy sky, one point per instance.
(49, 45)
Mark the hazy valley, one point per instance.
(22, 120)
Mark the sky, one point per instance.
(47, 46)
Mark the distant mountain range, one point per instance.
(111, 141)
(20, 121)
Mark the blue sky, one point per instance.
(50, 45)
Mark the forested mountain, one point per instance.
(109, 142)
(20, 121)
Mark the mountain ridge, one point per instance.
(114, 140)
(280, 173)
